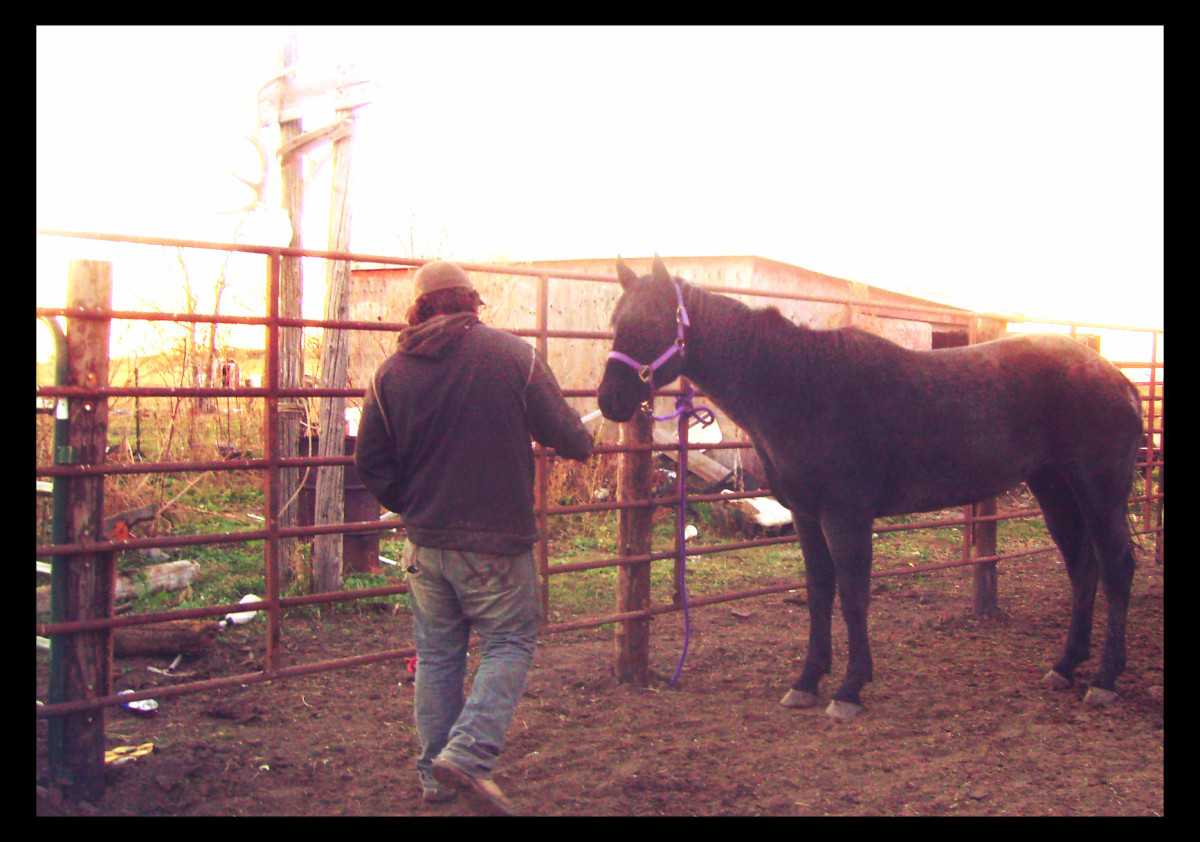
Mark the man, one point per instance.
(445, 441)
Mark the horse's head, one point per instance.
(648, 346)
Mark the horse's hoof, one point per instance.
(842, 711)
(1056, 681)
(798, 699)
(1098, 697)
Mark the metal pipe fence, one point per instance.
(1147, 498)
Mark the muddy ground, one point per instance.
(957, 721)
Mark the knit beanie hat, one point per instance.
(440, 274)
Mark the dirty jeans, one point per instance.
(452, 593)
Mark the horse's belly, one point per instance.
(952, 487)
(924, 501)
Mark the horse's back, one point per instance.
(970, 422)
(1075, 381)
(1085, 411)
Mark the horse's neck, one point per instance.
(723, 356)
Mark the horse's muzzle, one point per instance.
(619, 401)
(615, 410)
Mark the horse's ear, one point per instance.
(624, 274)
(659, 270)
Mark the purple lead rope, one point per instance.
(684, 410)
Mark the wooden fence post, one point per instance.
(985, 601)
(633, 539)
(82, 585)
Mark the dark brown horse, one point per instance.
(851, 427)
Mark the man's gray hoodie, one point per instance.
(445, 434)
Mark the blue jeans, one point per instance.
(452, 593)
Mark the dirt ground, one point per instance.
(957, 721)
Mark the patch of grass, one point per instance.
(1026, 531)
(583, 594)
(362, 581)
(593, 592)
(916, 548)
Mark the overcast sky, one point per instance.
(1008, 168)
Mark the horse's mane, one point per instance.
(765, 330)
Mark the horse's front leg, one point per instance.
(821, 581)
(849, 538)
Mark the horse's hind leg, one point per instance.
(1110, 537)
(837, 557)
(821, 583)
(1095, 543)
(1066, 525)
(849, 539)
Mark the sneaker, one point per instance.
(481, 793)
(435, 792)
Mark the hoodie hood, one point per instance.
(433, 338)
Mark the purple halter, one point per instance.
(646, 372)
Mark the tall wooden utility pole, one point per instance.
(291, 339)
(345, 88)
(330, 494)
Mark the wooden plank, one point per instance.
(129, 517)
(131, 584)
(766, 511)
(705, 467)
(178, 637)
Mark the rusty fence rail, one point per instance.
(1147, 497)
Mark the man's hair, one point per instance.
(444, 302)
